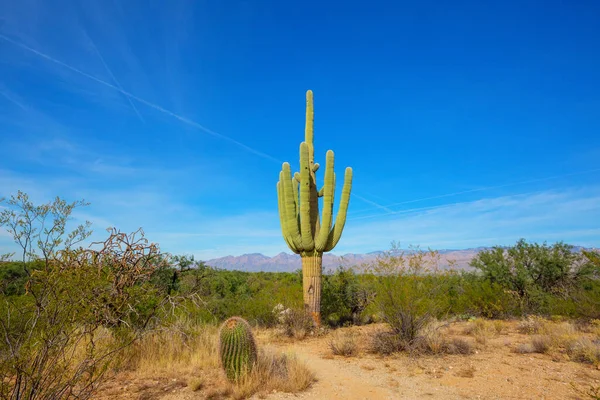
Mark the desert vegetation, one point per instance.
(75, 320)
(120, 318)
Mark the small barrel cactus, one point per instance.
(237, 348)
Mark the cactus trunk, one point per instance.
(304, 231)
(311, 282)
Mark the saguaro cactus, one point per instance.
(237, 348)
(304, 231)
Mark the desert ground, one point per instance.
(494, 370)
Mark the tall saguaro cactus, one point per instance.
(304, 231)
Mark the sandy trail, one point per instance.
(362, 378)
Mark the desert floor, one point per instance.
(494, 371)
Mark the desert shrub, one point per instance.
(297, 323)
(345, 297)
(408, 291)
(524, 348)
(541, 343)
(343, 344)
(486, 299)
(458, 346)
(80, 307)
(584, 350)
(540, 275)
(531, 325)
(385, 343)
(482, 329)
(429, 340)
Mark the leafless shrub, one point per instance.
(541, 343)
(459, 346)
(81, 308)
(343, 344)
(297, 324)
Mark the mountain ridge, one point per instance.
(287, 262)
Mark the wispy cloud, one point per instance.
(113, 77)
(150, 104)
(487, 221)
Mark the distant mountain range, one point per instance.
(284, 262)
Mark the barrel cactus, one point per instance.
(305, 231)
(237, 348)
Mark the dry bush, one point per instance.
(385, 343)
(459, 346)
(499, 326)
(584, 350)
(80, 308)
(541, 343)
(343, 344)
(430, 340)
(297, 324)
(278, 372)
(482, 330)
(524, 348)
(531, 325)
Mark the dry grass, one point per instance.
(531, 325)
(541, 343)
(482, 330)
(560, 337)
(191, 352)
(431, 340)
(459, 346)
(282, 373)
(584, 350)
(343, 344)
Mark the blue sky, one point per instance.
(467, 124)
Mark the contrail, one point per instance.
(485, 188)
(139, 99)
(9, 98)
(437, 207)
(372, 203)
(114, 78)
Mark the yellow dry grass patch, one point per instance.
(191, 352)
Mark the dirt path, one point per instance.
(367, 377)
(494, 372)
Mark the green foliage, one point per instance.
(409, 290)
(66, 312)
(536, 274)
(478, 296)
(345, 297)
(237, 348)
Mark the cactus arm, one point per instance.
(321, 191)
(295, 183)
(282, 215)
(293, 230)
(309, 127)
(329, 189)
(305, 200)
(340, 220)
